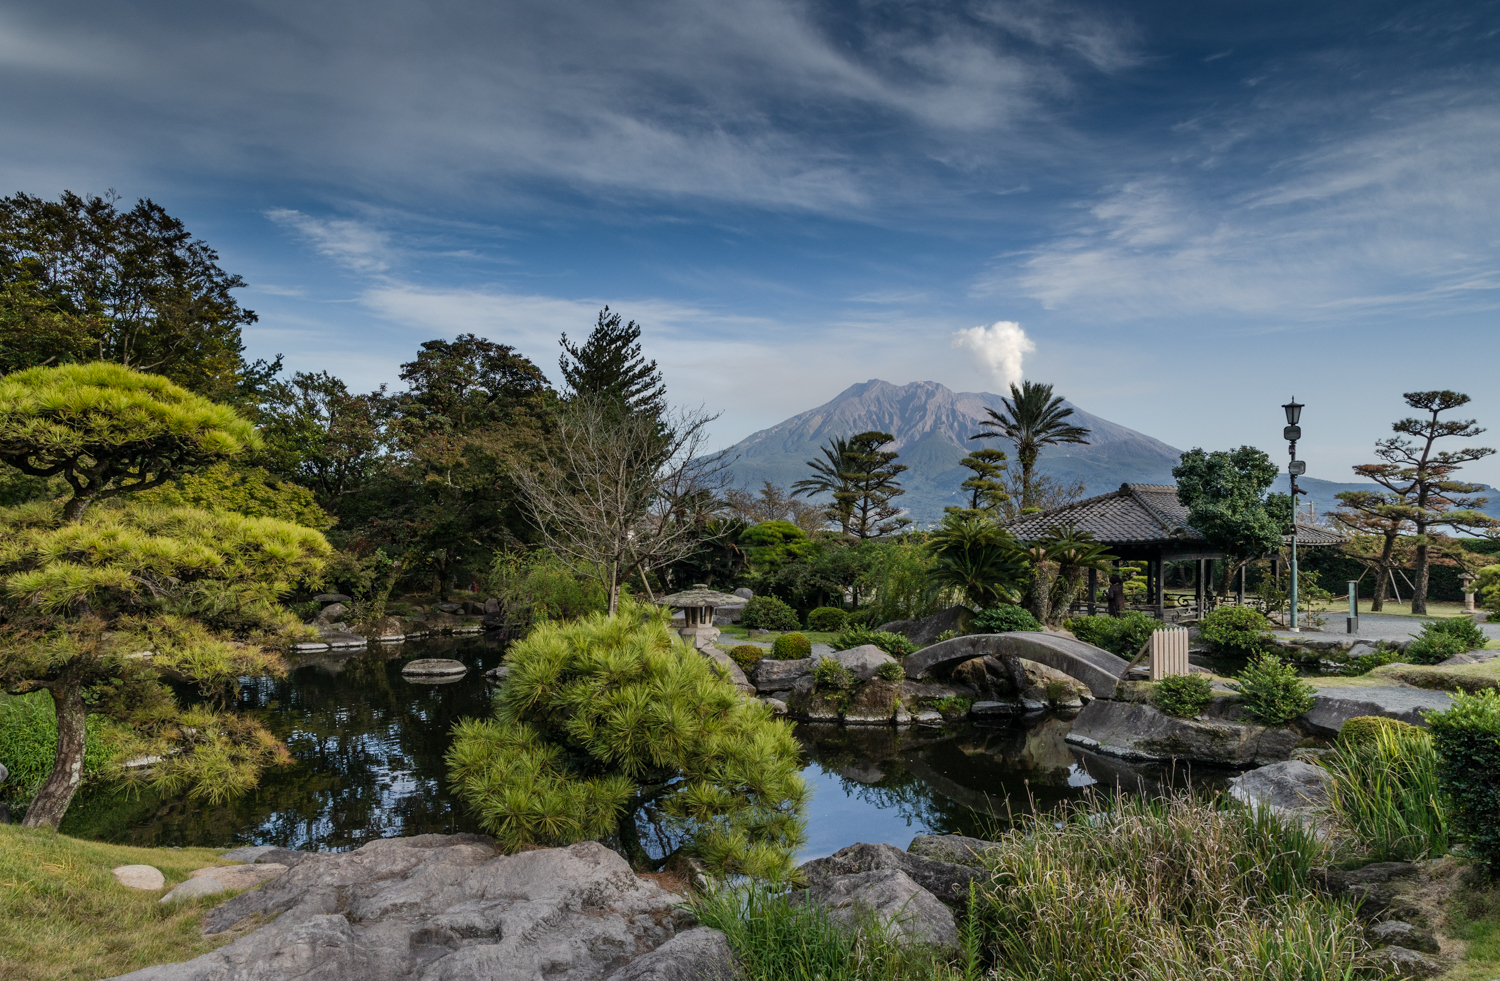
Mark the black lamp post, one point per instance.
(1295, 469)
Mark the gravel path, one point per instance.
(1381, 626)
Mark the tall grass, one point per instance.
(1175, 889)
(1385, 792)
(779, 937)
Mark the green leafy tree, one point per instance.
(323, 437)
(1031, 419)
(107, 430)
(1225, 493)
(1420, 478)
(862, 480)
(986, 489)
(606, 720)
(81, 280)
(771, 503)
(610, 366)
(1378, 523)
(979, 559)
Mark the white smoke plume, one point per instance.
(999, 347)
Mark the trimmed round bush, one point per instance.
(890, 671)
(893, 644)
(1363, 730)
(769, 613)
(1004, 619)
(1272, 692)
(746, 656)
(791, 647)
(1182, 695)
(1236, 630)
(827, 619)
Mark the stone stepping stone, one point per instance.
(223, 878)
(146, 877)
(434, 668)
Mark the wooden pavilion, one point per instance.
(1146, 522)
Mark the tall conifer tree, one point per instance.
(610, 365)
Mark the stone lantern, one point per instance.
(1466, 580)
(697, 606)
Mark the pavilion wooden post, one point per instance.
(1201, 592)
(1093, 592)
(1161, 589)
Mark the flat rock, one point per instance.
(333, 598)
(439, 908)
(863, 660)
(1291, 785)
(903, 908)
(1332, 707)
(269, 855)
(1139, 732)
(146, 877)
(193, 888)
(1399, 933)
(1376, 888)
(947, 881)
(341, 638)
(994, 709)
(777, 705)
(309, 647)
(441, 667)
(700, 954)
(240, 876)
(331, 613)
(1403, 963)
(771, 675)
(927, 630)
(498, 674)
(954, 849)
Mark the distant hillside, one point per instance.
(932, 425)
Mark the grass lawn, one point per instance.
(734, 633)
(63, 915)
(1456, 677)
(1473, 916)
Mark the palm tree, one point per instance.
(978, 558)
(1033, 418)
(831, 476)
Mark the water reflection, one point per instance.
(369, 745)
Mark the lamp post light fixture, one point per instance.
(1295, 469)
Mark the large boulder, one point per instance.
(929, 629)
(1380, 890)
(954, 849)
(1289, 786)
(876, 702)
(945, 880)
(863, 660)
(773, 675)
(439, 908)
(1139, 732)
(727, 669)
(146, 877)
(384, 629)
(1332, 707)
(332, 613)
(699, 954)
(900, 906)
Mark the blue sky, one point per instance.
(1192, 210)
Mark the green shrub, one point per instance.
(948, 635)
(1122, 635)
(890, 671)
(1362, 729)
(1383, 653)
(1385, 790)
(746, 656)
(769, 613)
(892, 643)
(1467, 740)
(1236, 630)
(1004, 619)
(592, 709)
(827, 620)
(1272, 692)
(791, 647)
(830, 675)
(1442, 639)
(1182, 695)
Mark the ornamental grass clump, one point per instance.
(606, 719)
(1385, 790)
(1180, 888)
(1272, 692)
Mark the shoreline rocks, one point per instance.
(1135, 731)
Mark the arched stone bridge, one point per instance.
(1094, 666)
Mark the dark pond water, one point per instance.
(369, 748)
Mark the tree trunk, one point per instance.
(73, 510)
(1419, 591)
(51, 802)
(614, 594)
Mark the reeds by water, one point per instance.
(1385, 792)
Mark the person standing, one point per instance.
(1115, 596)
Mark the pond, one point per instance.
(368, 748)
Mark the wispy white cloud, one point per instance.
(353, 244)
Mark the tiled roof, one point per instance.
(1139, 514)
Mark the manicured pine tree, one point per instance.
(610, 365)
(985, 489)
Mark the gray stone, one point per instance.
(777, 705)
(927, 630)
(903, 908)
(700, 954)
(875, 703)
(727, 669)
(1376, 889)
(1332, 707)
(928, 717)
(308, 648)
(1399, 933)
(994, 709)
(332, 613)
(269, 855)
(745, 593)
(1403, 963)
(1139, 732)
(333, 598)
(492, 607)
(954, 849)
(772, 675)
(193, 888)
(498, 673)
(439, 908)
(4, 773)
(335, 636)
(863, 660)
(945, 880)
(386, 629)
(447, 608)
(1098, 669)
(147, 877)
(1289, 786)
(248, 853)
(240, 876)
(434, 667)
